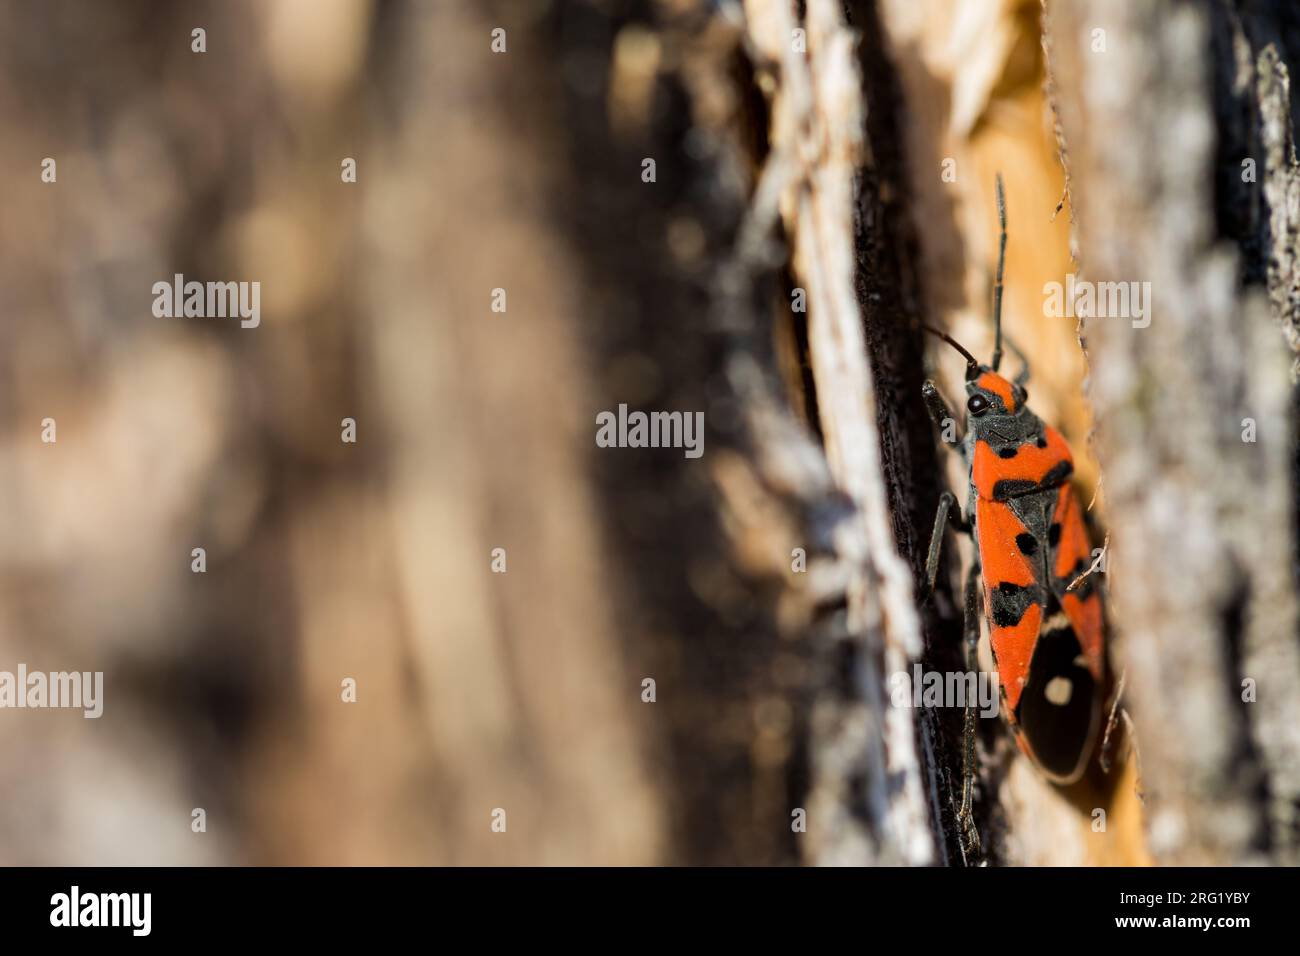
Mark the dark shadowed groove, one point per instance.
(893, 306)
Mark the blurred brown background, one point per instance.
(325, 560)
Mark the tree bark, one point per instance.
(1196, 424)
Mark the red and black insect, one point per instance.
(1031, 546)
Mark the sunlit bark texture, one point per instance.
(1176, 127)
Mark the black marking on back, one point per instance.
(1008, 603)
(1012, 487)
(1005, 618)
(1027, 544)
(1057, 474)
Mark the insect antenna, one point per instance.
(972, 366)
(997, 289)
(1023, 376)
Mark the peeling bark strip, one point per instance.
(1202, 518)
(816, 140)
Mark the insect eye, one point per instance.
(977, 404)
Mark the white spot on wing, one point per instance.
(1058, 691)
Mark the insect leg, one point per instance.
(1119, 715)
(947, 513)
(939, 413)
(1131, 734)
(970, 837)
(1112, 721)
